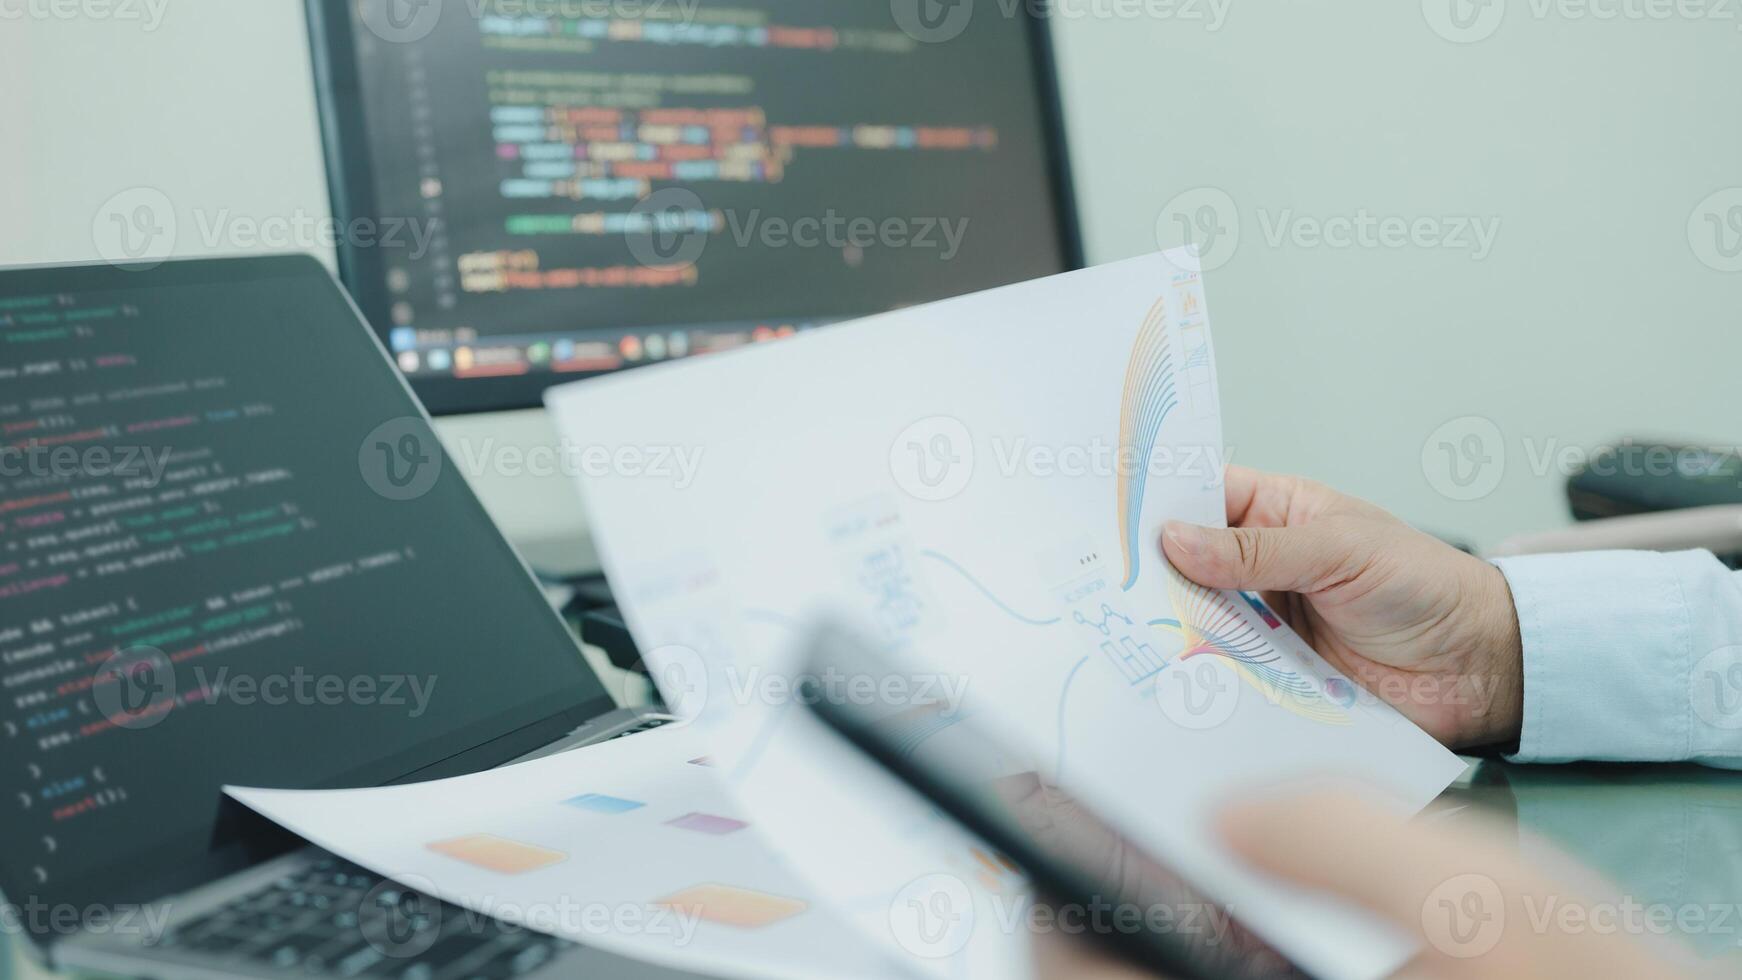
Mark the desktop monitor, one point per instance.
(535, 191)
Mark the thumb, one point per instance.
(1270, 559)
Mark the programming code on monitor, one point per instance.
(221, 562)
(597, 184)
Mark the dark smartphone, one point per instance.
(1093, 880)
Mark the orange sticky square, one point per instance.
(498, 854)
(730, 906)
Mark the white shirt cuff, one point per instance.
(1608, 645)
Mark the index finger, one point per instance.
(1256, 498)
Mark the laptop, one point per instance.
(233, 552)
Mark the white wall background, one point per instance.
(1590, 144)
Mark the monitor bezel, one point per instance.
(249, 840)
(351, 185)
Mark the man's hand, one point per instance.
(1422, 625)
(1462, 896)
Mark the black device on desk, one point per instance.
(1648, 476)
(233, 552)
(1074, 858)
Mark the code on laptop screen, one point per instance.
(231, 551)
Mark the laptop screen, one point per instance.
(231, 551)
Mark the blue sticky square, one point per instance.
(600, 803)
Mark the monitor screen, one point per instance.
(232, 553)
(535, 190)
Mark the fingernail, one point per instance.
(1188, 538)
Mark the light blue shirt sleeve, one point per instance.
(1629, 657)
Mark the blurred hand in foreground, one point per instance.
(1475, 910)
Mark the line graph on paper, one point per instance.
(1080, 592)
(1148, 398)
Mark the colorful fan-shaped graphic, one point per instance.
(1148, 399)
(1211, 625)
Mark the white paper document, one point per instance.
(630, 846)
(980, 484)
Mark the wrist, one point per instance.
(1496, 674)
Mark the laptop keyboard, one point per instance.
(335, 919)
